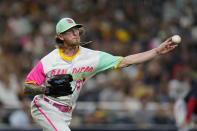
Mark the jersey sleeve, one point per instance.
(108, 62)
(37, 75)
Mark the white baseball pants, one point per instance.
(49, 117)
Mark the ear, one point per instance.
(60, 36)
(81, 31)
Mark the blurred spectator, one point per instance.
(180, 85)
(21, 118)
(1, 112)
(99, 117)
(143, 115)
(132, 104)
(115, 91)
(153, 72)
(9, 91)
(160, 116)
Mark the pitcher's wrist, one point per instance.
(156, 51)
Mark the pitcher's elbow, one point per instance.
(25, 86)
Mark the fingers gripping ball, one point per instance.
(59, 85)
(176, 39)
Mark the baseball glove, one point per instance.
(59, 85)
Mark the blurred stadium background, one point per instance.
(139, 97)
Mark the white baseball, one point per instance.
(176, 39)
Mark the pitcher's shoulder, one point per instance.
(87, 50)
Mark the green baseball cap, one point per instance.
(65, 24)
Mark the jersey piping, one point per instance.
(116, 66)
(31, 82)
(60, 51)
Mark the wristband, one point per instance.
(157, 52)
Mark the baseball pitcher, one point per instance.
(58, 77)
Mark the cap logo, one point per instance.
(69, 20)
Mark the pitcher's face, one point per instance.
(71, 37)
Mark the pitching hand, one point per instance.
(166, 46)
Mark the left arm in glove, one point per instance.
(59, 85)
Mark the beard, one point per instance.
(73, 42)
(76, 41)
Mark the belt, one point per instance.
(60, 107)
